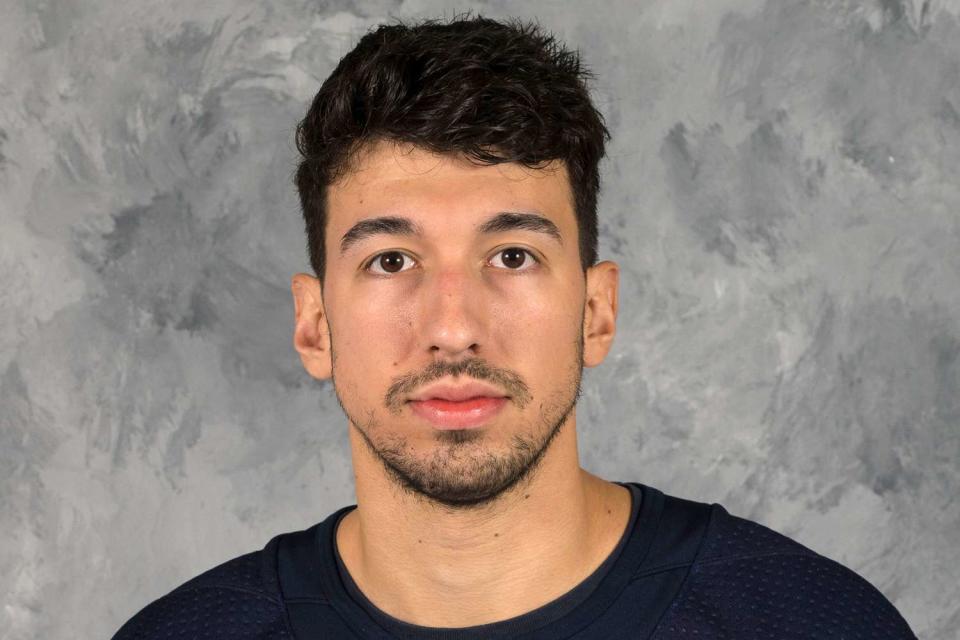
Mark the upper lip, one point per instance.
(453, 393)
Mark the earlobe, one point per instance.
(600, 312)
(311, 337)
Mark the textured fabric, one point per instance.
(231, 600)
(753, 582)
(683, 570)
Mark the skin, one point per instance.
(462, 528)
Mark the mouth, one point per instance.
(471, 413)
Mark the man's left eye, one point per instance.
(514, 258)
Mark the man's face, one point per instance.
(450, 301)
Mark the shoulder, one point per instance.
(749, 581)
(237, 599)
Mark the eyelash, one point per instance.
(372, 261)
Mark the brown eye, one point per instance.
(514, 257)
(389, 262)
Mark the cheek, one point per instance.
(539, 330)
(367, 342)
(371, 330)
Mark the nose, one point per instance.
(453, 323)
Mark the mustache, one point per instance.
(476, 368)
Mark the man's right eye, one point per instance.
(389, 262)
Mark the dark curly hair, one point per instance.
(492, 91)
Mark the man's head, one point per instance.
(449, 187)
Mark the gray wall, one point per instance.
(781, 193)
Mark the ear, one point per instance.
(311, 337)
(600, 312)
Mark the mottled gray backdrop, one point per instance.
(781, 192)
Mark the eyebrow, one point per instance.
(400, 226)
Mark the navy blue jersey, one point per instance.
(682, 569)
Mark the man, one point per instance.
(449, 185)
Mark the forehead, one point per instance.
(443, 191)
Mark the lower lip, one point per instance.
(468, 414)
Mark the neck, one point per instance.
(444, 568)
